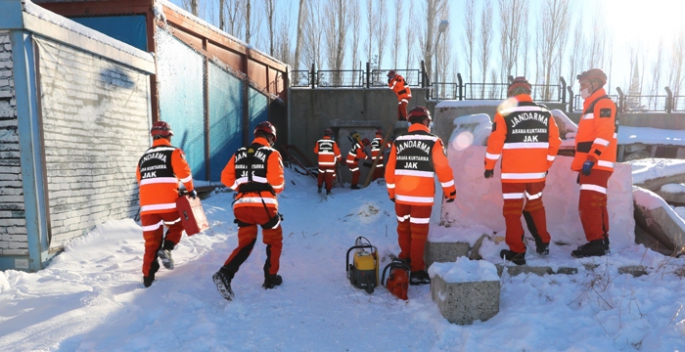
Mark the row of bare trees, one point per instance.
(542, 43)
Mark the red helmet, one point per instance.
(366, 141)
(328, 132)
(267, 128)
(417, 113)
(595, 74)
(379, 132)
(161, 129)
(519, 82)
(392, 73)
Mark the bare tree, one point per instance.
(597, 40)
(270, 6)
(677, 68)
(191, 5)
(222, 15)
(356, 33)
(234, 10)
(656, 69)
(248, 8)
(553, 28)
(411, 36)
(469, 39)
(301, 15)
(282, 41)
(434, 10)
(511, 14)
(526, 48)
(445, 59)
(371, 24)
(485, 41)
(313, 35)
(381, 32)
(577, 54)
(337, 16)
(397, 36)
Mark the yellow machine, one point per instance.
(363, 272)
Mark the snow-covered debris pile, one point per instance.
(653, 173)
(471, 130)
(659, 219)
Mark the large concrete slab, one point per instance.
(659, 221)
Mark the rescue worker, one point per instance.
(158, 173)
(414, 160)
(401, 89)
(355, 154)
(256, 174)
(328, 155)
(594, 160)
(525, 135)
(377, 148)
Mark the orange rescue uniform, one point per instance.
(328, 154)
(377, 146)
(403, 92)
(353, 156)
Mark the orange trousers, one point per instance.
(379, 172)
(354, 169)
(153, 233)
(249, 217)
(592, 205)
(412, 233)
(514, 196)
(327, 176)
(402, 110)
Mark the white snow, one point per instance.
(653, 168)
(673, 188)
(471, 130)
(648, 199)
(649, 135)
(91, 297)
(49, 16)
(465, 270)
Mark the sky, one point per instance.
(91, 297)
(636, 23)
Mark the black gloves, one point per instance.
(451, 197)
(488, 173)
(192, 194)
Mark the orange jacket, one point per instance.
(356, 152)
(158, 173)
(414, 159)
(525, 135)
(257, 179)
(596, 139)
(377, 149)
(327, 152)
(400, 87)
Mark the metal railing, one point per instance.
(678, 103)
(378, 77)
(368, 78)
(340, 78)
(300, 78)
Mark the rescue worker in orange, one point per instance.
(328, 155)
(355, 154)
(377, 147)
(415, 158)
(256, 174)
(595, 156)
(158, 173)
(401, 89)
(526, 137)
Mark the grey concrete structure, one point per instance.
(465, 302)
(660, 229)
(444, 252)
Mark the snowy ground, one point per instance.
(91, 297)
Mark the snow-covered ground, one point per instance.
(91, 297)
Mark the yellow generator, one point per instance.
(363, 272)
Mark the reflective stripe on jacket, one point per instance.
(158, 173)
(257, 178)
(376, 150)
(400, 87)
(415, 158)
(526, 136)
(597, 133)
(327, 152)
(354, 155)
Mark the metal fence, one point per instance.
(638, 103)
(355, 78)
(340, 78)
(378, 77)
(679, 103)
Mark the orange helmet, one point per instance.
(595, 74)
(267, 128)
(161, 129)
(418, 113)
(518, 85)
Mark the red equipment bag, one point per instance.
(192, 215)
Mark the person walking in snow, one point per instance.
(401, 89)
(158, 173)
(355, 154)
(256, 174)
(328, 154)
(526, 137)
(414, 160)
(594, 160)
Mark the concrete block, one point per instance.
(444, 252)
(635, 270)
(658, 221)
(465, 302)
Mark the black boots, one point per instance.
(147, 280)
(167, 260)
(271, 281)
(222, 280)
(514, 257)
(420, 277)
(594, 248)
(328, 192)
(542, 248)
(355, 187)
(318, 189)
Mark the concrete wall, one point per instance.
(13, 238)
(96, 119)
(314, 110)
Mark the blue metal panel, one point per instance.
(225, 119)
(30, 145)
(180, 75)
(259, 110)
(128, 29)
(11, 14)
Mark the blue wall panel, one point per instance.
(259, 110)
(225, 119)
(180, 73)
(128, 29)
